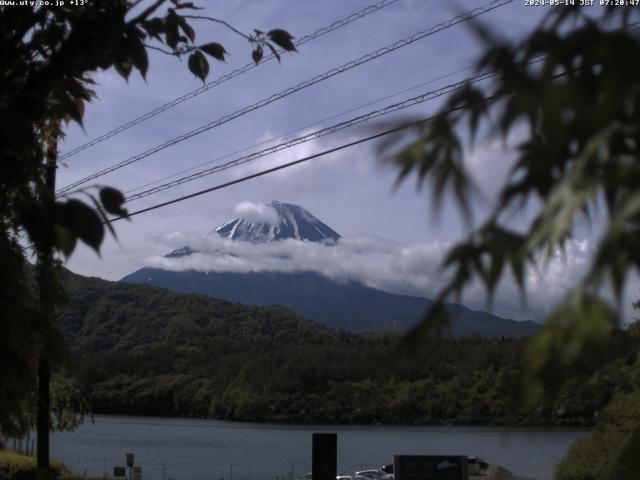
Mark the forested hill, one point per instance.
(105, 316)
(145, 350)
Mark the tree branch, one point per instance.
(175, 53)
(215, 20)
(166, 52)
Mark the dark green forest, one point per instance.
(469, 381)
(136, 349)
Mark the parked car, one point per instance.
(374, 474)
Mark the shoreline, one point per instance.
(15, 465)
(191, 446)
(533, 427)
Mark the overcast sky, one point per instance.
(349, 190)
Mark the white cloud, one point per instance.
(257, 212)
(411, 269)
(378, 263)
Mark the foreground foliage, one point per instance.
(566, 101)
(67, 411)
(612, 449)
(49, 57)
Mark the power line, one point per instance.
(299, 129)
(318, 122)
(317, 134)
(289, 91)
(633, 27)
(290, 164)
(325, 131)
(239, 71)
(317, 155)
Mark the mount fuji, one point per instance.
(350, 306)
(278, 221)
(273, 221)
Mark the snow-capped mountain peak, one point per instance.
(273, 221)
(276, 221)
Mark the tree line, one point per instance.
(364, 380)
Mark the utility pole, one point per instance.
(45, 280)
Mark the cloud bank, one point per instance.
(408, 269)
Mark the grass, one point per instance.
(14, 466)
(16, 460)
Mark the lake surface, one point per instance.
(193, 449)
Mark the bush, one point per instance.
(612, 451)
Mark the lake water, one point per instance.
(193, 449)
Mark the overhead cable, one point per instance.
(282, 136)
(289, 91)
(239, 71)
(315, 135)
(288, 164)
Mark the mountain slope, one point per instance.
(107, 316)
(352, 306)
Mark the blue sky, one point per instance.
(349, 190)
